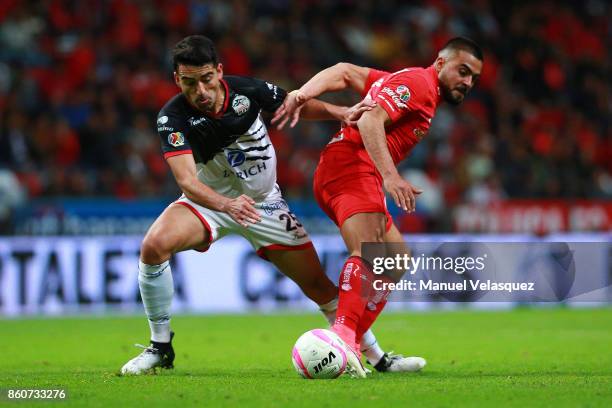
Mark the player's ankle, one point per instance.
(373, 353)
(163, 345)
(346, 333)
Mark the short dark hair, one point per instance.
(464, 44)
(195, 50)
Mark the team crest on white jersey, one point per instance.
(241, 104)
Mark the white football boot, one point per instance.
(397, 363)
(155, 355)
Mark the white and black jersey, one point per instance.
(232, 150)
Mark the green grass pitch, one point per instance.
(525, 357)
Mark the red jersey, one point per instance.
(410, 98)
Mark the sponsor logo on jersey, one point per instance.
(251, 171)
(241, 104)
(165, 129)
(162, 120)
(403, 92)
(346, 275)
(269, 208)
(246, 173)
(396, 99)
(273, 88)
(176, 139)
(235, 157)
(195, 122)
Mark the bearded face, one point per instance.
(458, 72)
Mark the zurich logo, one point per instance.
(235, 157)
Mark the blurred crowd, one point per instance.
(81, 83)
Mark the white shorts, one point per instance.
(278, 229)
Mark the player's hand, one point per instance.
(352, 114)
(403, 193)
(289, 110)
(242, 210)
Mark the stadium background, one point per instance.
(527, 158)
(81, 83)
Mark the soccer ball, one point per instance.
(319, 354)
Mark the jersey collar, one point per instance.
(226, 101)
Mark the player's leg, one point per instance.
(175, 230)
(304, 268)
(377, 299)
(363, 227)
(355, 278)
(354, 282)
(376, 303)
(302, 264)
(353, 198)
(281, 238)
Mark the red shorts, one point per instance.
(346, 183)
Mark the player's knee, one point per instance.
(155, 249)
(375, 235)
(372, 233)
(379, 235)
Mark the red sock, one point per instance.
(354, 290)
(376, 303)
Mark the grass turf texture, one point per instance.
(525, 357)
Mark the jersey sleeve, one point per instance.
(401, 93)
(373, 76)
(172, 135)
(270, 96)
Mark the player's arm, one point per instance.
(335, 78)
(315, 109)
(184, 170)
(372, 129)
